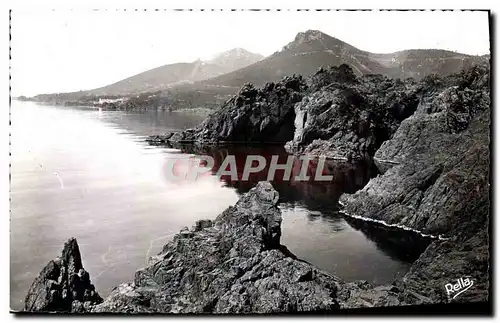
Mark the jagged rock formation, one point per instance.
(436, 181)
(252, 115)
(346, 117)
(435, 164)
(63, 285)
(232, 265)
(331, 113)
(236, 264)
(440, 159)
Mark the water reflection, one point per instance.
(91, 175)
(399, 244)
(152, 122)
(313, 229)
(318, 195)
(122, 209)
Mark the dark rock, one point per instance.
(332, 113)
(231, 266)
(437, 181)
(361, 294)
(159, 139)
(202, 224)
(431, 142)
(262, 114)
(439, 166)
(335, 113)
(446, 261)
(63, 285)
(236, 264)
(349, 117)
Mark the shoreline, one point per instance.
(260, 204)
(438, 131)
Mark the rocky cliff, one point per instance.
(236, 264)
(334, 112)
(430, 141)
(436, 181)
(252, 115)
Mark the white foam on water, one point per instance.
(399, 226)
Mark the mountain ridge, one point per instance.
(168, 75)
(304, 55)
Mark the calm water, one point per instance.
(91, 175)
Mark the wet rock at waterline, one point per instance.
(337, 114)
(233, 265)
(435, 165)
(350, 116)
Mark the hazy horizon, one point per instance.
(68, 51)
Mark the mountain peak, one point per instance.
(315, 41)
(237, 52)
(310, 35)
(235, 58)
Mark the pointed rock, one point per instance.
(62, 285)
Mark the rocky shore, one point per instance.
(436, 181)
(430, 141)
(234, 264)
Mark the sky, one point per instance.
(63, 50)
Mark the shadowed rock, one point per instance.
(439, 158)
(233, 265)
(436, 180)
(332, 113)
(349, 117)
(262, 114)
(236, 264)
(62, 285)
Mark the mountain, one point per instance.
(235, 59)
(166, 76)
(161, 78)
(174, 74)
(310, 51)
(210, 83)
(313, 49)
